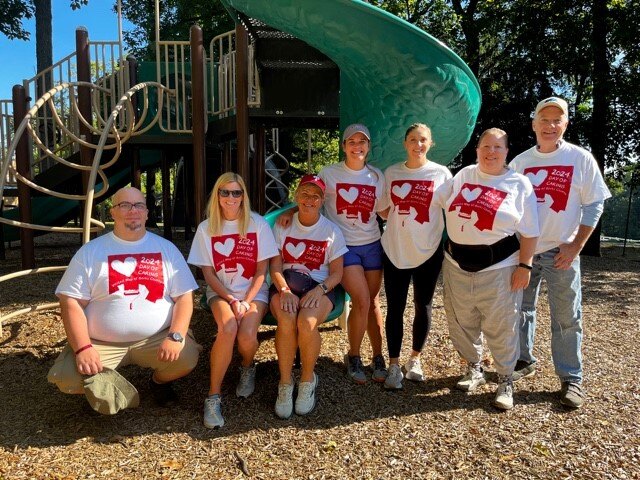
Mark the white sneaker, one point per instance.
(247, 382)
(212, 412)
(413, 370)
(394, 378)
(504, 394)
(472, 379)
(306, 400)
(284, 402)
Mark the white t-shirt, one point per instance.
(563, 180)
(482, 209)
(130, 285)
(351, 199)
(311, 248)
(233, 258)
(414, 223)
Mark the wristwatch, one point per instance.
(324, 288)
(176, 337)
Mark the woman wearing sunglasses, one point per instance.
(233, 247)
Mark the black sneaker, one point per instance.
(524, 370)
(163, 393)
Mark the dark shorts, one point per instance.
(368, 256)
(300, 283)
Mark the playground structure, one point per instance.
(303, 64)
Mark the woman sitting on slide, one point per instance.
(302, 296)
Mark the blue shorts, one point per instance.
(368, 256)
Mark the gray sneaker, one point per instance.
(247, 382)
(524, 370)
(284, 402)
(354, 369)
(572, 395)
(379, 369)
(472, 379)
(213, 412)
(413, 370)
(504, 394)
(306, 400)
(394, 378)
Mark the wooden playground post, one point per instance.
(84, 104)
(135, 151)
(259, 202)
(167, 220)
(242, 107)
(198, 115)
(23, 165)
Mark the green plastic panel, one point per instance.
(392, 73)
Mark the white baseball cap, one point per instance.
(553, 102)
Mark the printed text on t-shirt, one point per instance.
(355, 200)
(481, 200)
(554, 181)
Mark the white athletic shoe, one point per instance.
(284, 402)
(306, 400)
(394, 378)
(472, 379)
(413, 370)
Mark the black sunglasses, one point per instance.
(233, 193)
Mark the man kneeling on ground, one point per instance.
(126, 298)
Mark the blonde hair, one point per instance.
(496, 132)
(214, 211)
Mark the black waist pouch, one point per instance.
(473, 258)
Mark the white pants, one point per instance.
(479, 304)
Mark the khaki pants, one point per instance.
(143, 353)
(479, 304)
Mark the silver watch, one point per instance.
(324, 288)
(176, 337)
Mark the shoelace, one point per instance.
(282, 394)
(212, 403)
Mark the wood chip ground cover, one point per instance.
(427, 431)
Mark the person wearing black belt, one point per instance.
(492, 225)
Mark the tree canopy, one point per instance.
(14, 12)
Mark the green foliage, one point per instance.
(176, 18)
(325, 150)
(15, 11)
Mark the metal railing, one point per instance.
(110, 138)
(222, 75)
(6, 135)
(172, 71)
(108, 69)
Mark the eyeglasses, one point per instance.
(127, 206)
(233, 193)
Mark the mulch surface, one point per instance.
(428, 430)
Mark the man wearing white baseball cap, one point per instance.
(570, 192)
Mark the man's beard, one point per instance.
(133, 226)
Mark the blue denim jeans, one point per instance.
(565, 304)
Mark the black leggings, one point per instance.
(396, 287)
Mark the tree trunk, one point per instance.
(599, 117)
(44, 42)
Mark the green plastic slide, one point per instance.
(392, 74)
